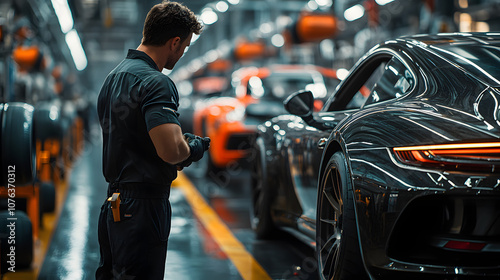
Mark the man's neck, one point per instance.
(155, 53)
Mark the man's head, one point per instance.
(169, 20)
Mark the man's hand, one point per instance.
(197, 145)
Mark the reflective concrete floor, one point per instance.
(195, 249)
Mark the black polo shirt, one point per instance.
(134, 98)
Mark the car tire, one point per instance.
(17, 142)
(337, 242)
(47, 122)
(260, 212)
(23, 240)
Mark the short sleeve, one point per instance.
(160, 104)
(159, 114)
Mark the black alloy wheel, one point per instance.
(337, 244)
(260, 212)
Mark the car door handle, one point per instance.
(322, 143)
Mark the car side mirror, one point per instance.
(300, 103)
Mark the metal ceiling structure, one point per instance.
(108, 28)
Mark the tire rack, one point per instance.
(48, 152)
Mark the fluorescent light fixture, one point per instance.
(208, 16)
(63, 13)
(354, 13)
(383, 2)
(76, 49)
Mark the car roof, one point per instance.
(479, 38)
(478, 54)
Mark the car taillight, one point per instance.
(464, 245)
(478, 157)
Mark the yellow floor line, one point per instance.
(247, 266)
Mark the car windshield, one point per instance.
(480, 60)
(278, 86)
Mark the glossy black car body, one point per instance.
(335, 178)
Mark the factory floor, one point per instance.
(210, 236)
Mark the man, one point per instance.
(144, 147)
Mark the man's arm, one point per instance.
(170, 143)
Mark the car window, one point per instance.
(355, 90)
(362, 95)
(395, 81)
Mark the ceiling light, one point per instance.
(354, 13)
(324, 3)
(222, 6)
(277, 40)
(312, 5)
(76, 49)
(63, 13)
(208, 16)
(383, 2)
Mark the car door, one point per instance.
(363, 87)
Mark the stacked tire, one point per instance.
(49, 128)
(17, 154)
(17, 142)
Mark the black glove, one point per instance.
(197, 145)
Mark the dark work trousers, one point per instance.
(134, 248)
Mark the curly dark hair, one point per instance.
(168, 20)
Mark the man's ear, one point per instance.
(174, 43)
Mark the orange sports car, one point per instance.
(256, 95)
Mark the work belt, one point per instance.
(138, 190)
(118, 191)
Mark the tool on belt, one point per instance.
(115, 206)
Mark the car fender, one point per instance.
(336, 143)
(277, 159)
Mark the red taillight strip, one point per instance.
(464, 156)
(472, 154)
(466, 151)
(450, 146)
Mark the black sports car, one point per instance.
(398, 176)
